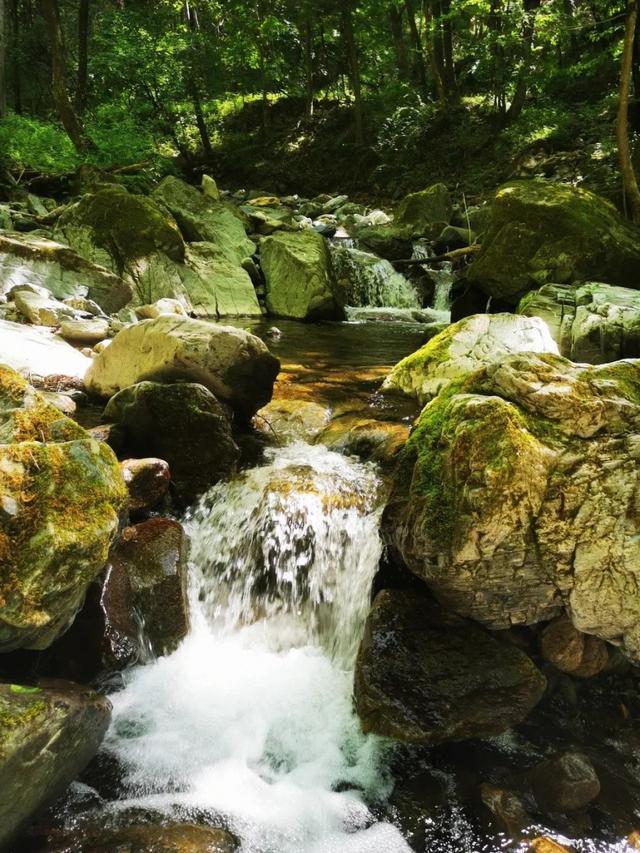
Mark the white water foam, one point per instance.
(251, 721)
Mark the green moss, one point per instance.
(19, 715)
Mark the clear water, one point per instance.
(250, 721)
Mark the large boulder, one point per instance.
(216, 286)
(547, 232)
(115, 228)
(60, 270)
(35, 350)
(427, 676)
(202, 219)
(393, 242)
(595, 323)
(235, 365)
(61, 494)
(299, 276)
(517, 494)
(464, 347)
(48, 735)
(425, 213)
(182, 423)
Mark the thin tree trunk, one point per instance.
(192, 84)
(3, 58)
(72, 124)
(435, 55)
(83, 56)
(16, 58)
(447, 47)
(399, 44)
(353, 61)
(631, 193)
(522, 85)
(307, 37)
(420, 70)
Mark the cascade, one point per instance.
(371, 281)
(250, 722)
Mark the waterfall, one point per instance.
(443, 277)
(249, 724)
(369, 281)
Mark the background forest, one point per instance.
(374, 96)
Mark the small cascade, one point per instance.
(250, 724)
(369, 281)
(442, 277)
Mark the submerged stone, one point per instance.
(427, 676)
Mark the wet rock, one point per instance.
(162, 306)
(59, 269)
(516, 495)
(105, 636)
(36, 350)
(427, 676)
(549, 232)
(61, 498)
(299, 277)
(571, 651)
(182, 423)
(593, 323)
(84, 331)
(144, 838)
(454, 238)
(565, 783)
(548, 845)
(425, 213)
(368, 438)
(147, 481)
(111, 434)
(236, 366)
(508, 810)
(48, 735)
(392, 242)
(463, 347)
(293, 420)
(154, 556)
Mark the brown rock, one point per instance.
(153, 554)
(147, 481)
(565, 783)
(547, 845)
(507, 809)
(571, 651)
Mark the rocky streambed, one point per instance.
(289, 562)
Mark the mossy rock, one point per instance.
(548, 232)
(515, 495)
(182, 423)
(62, 494)
(425, 213)
(426, 676)
(48, 735)
(392, 242)
(117, 226)
(300, 282)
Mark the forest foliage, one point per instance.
(123, 81)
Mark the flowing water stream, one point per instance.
(250, 721)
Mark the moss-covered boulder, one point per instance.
(216, 286)
(48, 735)
(182, 423)
(299, 277)
(427, 676)
(425, 213)
(62, 271)
(116, 229)
(464, 347)
(235, 365)
(61, 494)
(547, 232)
(201, 218)
(593, 323)
(392, 242)
(517, 493)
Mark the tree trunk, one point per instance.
(630, 191)
(64, 107)
(192, 83)
(307, 38)
(528, 33)
(353, 62)
(419, 69)
(447, 47)
(3, 58)
(400, 47)
(16, 63)
(83, 56)
(435, 54)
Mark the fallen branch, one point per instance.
(448, 256)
